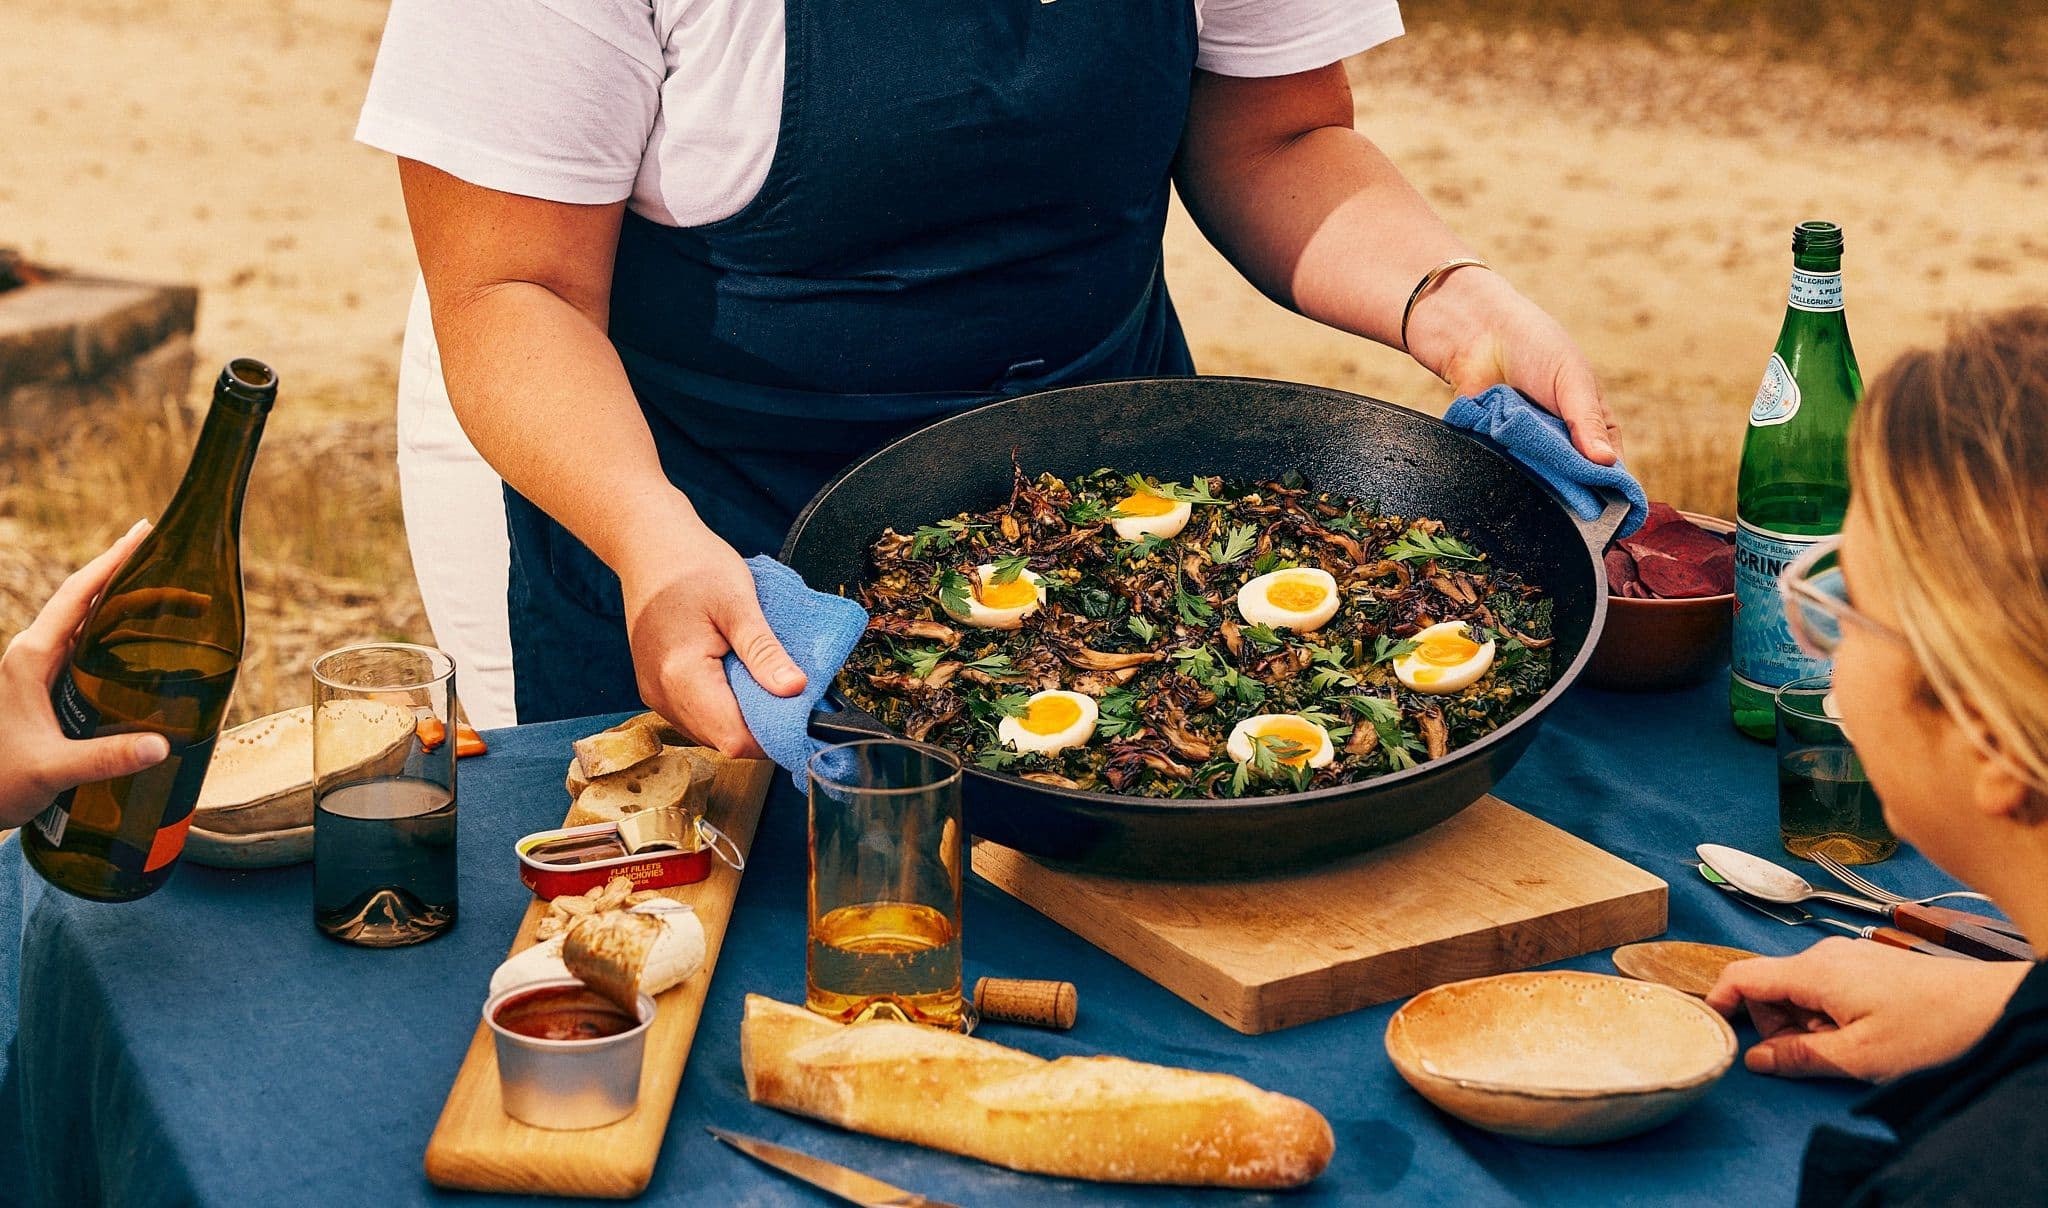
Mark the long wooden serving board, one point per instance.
(477, 1147)
(1489, 891)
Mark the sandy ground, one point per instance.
(1649, 208)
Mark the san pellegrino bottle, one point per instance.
(159, 652)
(1794, 484)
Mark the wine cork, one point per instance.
(1041, 1004)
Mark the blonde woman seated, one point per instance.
(1938, 625)
(37, 761)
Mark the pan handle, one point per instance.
(834, 720)
(1600, 530)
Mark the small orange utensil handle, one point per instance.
(1944, 927)
(1894, 938)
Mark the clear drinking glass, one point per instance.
(384, 794)
(885, 853)
(1825, 802)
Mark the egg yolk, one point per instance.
(1446, 650)
(1296, 595)
(1144, 504)
(1050, 715)
(1296, 731)
(1015, 594)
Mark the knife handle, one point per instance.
(1989, 922)
(1940, 926)
(1894, 938)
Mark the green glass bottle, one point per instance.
(159, 652)
(1794, 485)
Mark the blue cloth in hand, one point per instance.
(819, 631)
(1542, 443)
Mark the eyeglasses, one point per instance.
(1816, 599)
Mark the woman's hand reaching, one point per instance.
(37, 760)
(1852, 1009)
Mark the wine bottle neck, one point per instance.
(210, 497)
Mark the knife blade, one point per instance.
(829, 1177)
(1761, 878)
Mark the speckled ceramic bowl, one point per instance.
(1562, 1057)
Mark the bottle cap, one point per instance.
(249, 380)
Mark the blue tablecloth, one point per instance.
(207, 1046)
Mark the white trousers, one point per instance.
(455, 525)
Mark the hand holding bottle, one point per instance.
(36, 760)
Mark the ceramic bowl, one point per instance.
(1562, 1058)
(1652, 645)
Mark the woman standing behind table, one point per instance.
(1938, 624)
(688, 258)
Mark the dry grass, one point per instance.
(324, 550)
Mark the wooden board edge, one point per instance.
(1577, 931)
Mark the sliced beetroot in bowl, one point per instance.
(1671, 558)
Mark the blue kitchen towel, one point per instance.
(819, 631)
(1542, 443)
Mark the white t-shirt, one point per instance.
(675, 105)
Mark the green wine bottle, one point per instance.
(159, 652)
(1794, 484)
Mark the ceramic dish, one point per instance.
(1562, 1057)
(1653, 645)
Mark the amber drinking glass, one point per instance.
(885, 869)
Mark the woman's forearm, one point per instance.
(541, 393)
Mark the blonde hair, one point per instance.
(1948, 460)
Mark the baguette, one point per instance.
(676, 776)
(1101, 1118)
(612, 751)
(665, 734)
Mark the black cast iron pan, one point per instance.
(1175, 428)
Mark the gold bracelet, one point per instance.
(1429, 280)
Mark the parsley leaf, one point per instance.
(1384, 651)
(1143, 547)
(996, 759)
(1235, 544)
(1118, 714)
(1199, 493)
(1141, 628)
(1084, 512)
(1015, 704)
(994, 664)
(1331, 672)
(1005, 570)
(923, 661)
(954, 592)
(1415, 544)
(1347, 523)
(1264, 637)
(1270, 561)
(1193, 609)
(934, 538)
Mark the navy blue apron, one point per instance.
(966, 202)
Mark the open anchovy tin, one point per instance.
(654, 849)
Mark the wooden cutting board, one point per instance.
(1490, 891)
(477, 1147)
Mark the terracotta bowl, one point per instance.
(1562, 1058)
(1649, 645)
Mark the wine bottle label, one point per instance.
(1816, 291)
(76, 715)
(1777, 400)
(1766, 656)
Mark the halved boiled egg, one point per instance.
(1053, 721)
(1142, 513)
(1306, 742)
(993, 605)
(1301, 598)
(1446, 659)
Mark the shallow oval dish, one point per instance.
(1560, 1057)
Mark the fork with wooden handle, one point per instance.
(1860, 884)
(1795, 916)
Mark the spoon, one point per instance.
(1761, 879)
(1684, 966)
